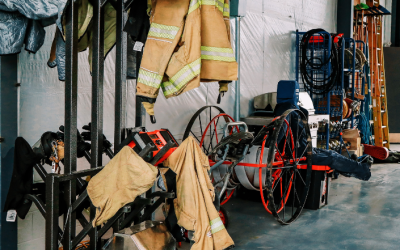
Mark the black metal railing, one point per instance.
(68, 235)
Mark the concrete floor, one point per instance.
(360, 215)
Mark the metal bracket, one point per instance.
(17, 84)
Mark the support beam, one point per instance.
(120, 75)
(71, 102)
(97, 102)
(52, 212)
(8, 132)
(237, 56)
(345, 15)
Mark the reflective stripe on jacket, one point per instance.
(188, 41)
(218, 58)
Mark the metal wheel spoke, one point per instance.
(194, 136)
(277, 149)
(285, 134)
(301, 156)
(286, 189)
(283, 204)
(291, 152)
(210, 145)
(294, 190)
(216, 134)
(201, 130)
(201, 127)
(210, 132)
(302, 131)
(280, 177)
(298, 197)
(301, 177)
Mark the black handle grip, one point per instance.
(162, 152)
(126, 141)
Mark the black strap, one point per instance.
(171, 221)
(220, 95)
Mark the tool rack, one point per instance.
(356, 77)
(320, 47)
(70, 237)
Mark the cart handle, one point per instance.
(231, 124)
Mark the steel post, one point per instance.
(71, 93)
(52, 212)
(120, 76)
(237, 55)
(97, 102)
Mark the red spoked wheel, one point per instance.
(289, 147)
(277, 183)
(206, 126)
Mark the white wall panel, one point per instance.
(267, 54)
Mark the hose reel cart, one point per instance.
(273, 158)
(275, 171)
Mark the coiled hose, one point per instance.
(365, 128)
(310, 67)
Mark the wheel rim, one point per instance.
(206, 127)
(276, 174)
(214, 135)
(286, 185)
(227, 196)
(214, 139)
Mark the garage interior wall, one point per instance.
(267, 56)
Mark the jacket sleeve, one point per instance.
(167, 21)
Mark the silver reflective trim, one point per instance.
(212, 53)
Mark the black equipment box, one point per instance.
(319, 189)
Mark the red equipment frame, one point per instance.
(160, 139)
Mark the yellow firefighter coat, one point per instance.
(124, 178)
(188, 41)
(194, 206)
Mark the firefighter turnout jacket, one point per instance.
(188, 42)
(193, 205)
